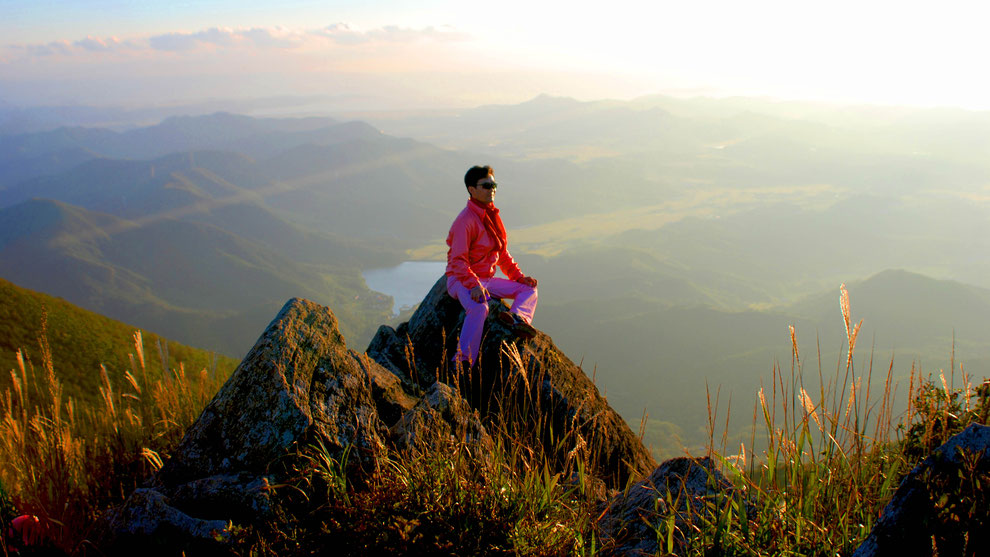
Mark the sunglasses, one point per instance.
(488, 185)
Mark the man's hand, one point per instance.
(528, 281)
(479, 294)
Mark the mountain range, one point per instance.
(675, 240)
(149, 228)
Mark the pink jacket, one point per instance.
(472, 255)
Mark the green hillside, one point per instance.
(81, 340)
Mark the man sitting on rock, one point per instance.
(477, 243)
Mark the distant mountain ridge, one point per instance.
(177, 276)
(649, 353)
(192, 238)
(31, 155)
(894, 300)
(176, 133)
(674, 239)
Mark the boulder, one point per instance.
(240, 498)
(530, 385)
(420, 350)
(393, 397)
(635, 522)
(149, 525)
(299, 382)
(299, 385)
(440, 415)
(942, 504)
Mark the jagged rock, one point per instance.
(440, 415)
(387, 347)
(298, 385)
(393, 397)
(421, 348)
(631, 523)
(529, 381)
(910, 523)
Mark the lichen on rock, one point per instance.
(686, 489)
(298, 385)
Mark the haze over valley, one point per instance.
(675, 239)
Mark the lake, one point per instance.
(407, 283)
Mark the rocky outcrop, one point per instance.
(420, 350)
(299, 382)
(930, 510)
(686, 489)
(299, 385)
(530, 383)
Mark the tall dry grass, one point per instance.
(833, 453)
(67, 463)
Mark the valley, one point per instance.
(675, 240)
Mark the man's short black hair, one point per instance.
(476, 173)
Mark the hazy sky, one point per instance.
(437, 52)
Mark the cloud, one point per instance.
(224, 37)
(67, 48)
(50, 49)
(96, 44)
(342, 33)
(278, 37)
(232, 40)
(272, 38)
(219, 36)
(181, 42)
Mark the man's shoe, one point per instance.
(517, 324)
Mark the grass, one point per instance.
(520, 490)
(831, 454)
(80, 341)
(69, 462)
(441, 501)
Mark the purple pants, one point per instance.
(523, 305)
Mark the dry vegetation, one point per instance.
(68, 463)
(834, 453)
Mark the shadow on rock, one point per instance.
(527, 386)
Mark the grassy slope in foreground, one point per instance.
(81, 340)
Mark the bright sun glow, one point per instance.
(874, 51)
